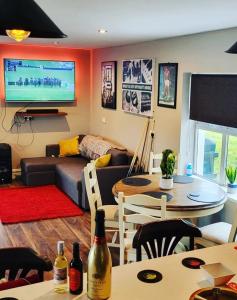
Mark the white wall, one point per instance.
(195, 53)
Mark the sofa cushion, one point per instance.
(69, 177)
(93, 146)
(118, 157)
(102, 161)
(69, 147)
(72, 171)
(38, 164)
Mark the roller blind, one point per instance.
(213, 99)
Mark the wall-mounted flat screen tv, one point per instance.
(39, 80)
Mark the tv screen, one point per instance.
(213, 99)
(39, 80)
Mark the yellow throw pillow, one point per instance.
(102, 161)
(69, 147)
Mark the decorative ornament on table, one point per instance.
(167, 168)
(231, 173)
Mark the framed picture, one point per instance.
(137, 83)
(167, 85)
(108, 84)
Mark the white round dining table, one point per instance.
(180, 206)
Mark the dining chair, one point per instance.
(95, 202)
(136, 209)
(154, 163)
(218, 233)
(17, 264)
(161, 238)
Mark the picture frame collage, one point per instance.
(138, 85)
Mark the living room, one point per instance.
(197, 49)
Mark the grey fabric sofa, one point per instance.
(67, 173)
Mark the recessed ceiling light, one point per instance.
(102, 30)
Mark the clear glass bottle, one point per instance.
(60, 265)
(99, 263)
(76, 271)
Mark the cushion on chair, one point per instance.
(19, 282)
(131, 252)
(128, 243)
(111, 212)
(216, 232)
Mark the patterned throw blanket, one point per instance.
(94, 147)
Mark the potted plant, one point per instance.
(231, 173)
(167, 168)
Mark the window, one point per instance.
(232, 151)
(215, 148)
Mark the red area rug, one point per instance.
(24, 204)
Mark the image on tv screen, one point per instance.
(39, 80)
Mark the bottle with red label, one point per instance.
(76, 271)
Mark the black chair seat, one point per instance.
(20, 261)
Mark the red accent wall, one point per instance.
(46, 130)
(81, 58)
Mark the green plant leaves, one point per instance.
(167, 163)
(231, 173)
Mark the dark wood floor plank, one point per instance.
(43, 235)
(34, 232)
(4, 238)
(17, 236)
(81, 228)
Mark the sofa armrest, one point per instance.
(107, 177)
(52, 150)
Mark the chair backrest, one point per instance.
(93, 192)
(233, 232)
(92, 186)
(154, 163)
(137, 209)
(160, 238)
(19, 261)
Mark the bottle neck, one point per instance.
(61, 253)
(76, 251)
(99, 233)
(60, 249)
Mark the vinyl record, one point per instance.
(193, 262)
(8, 298)
(149, 276)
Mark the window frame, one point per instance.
(226, 132)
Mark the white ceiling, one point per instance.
(132, 21)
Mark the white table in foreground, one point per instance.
(178, 281)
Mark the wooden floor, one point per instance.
(43, 235)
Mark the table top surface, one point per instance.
(178, 282)
(180, 201)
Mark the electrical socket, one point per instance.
(27, 118)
